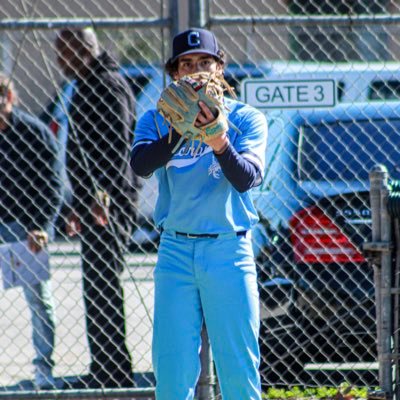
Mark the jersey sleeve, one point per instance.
(252, 139)
(147, 128)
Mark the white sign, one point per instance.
(262, 93)
(22, 267)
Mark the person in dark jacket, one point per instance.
(30, 197)
(104, 196)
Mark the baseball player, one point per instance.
(205, 269)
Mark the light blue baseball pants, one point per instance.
(214, 278)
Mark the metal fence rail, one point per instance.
(141, 394)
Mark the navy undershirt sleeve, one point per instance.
(240, 172)
(148, 157)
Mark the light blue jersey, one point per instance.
(194, 195)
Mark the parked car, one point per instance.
(317, 292)
(355, 81)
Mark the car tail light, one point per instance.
(54, 127)
(317, 239)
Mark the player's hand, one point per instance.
(101, 209)
(37, 240)
(73, 226)
(205, 115)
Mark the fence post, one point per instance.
(198, 12)
(381, 239)
(386, 295)
(376, 179)
(396, 300)
(205, 387)
(174, 16)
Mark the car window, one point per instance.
(347, 151)
(274, 150)
(384, 90)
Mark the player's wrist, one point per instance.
(221, 149)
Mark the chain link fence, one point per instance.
(327, 76)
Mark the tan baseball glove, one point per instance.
(179, 105)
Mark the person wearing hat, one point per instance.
(205, 270)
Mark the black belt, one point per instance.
(206, 235)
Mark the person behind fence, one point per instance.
(104, 194)
(205, 269)
(30, 197)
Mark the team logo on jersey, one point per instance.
(188, 155)
(214, 169)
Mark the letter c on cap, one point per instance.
(194, 39)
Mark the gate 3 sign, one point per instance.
(267, 94)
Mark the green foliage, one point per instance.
(344, 392)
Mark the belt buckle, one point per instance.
(191, 236)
